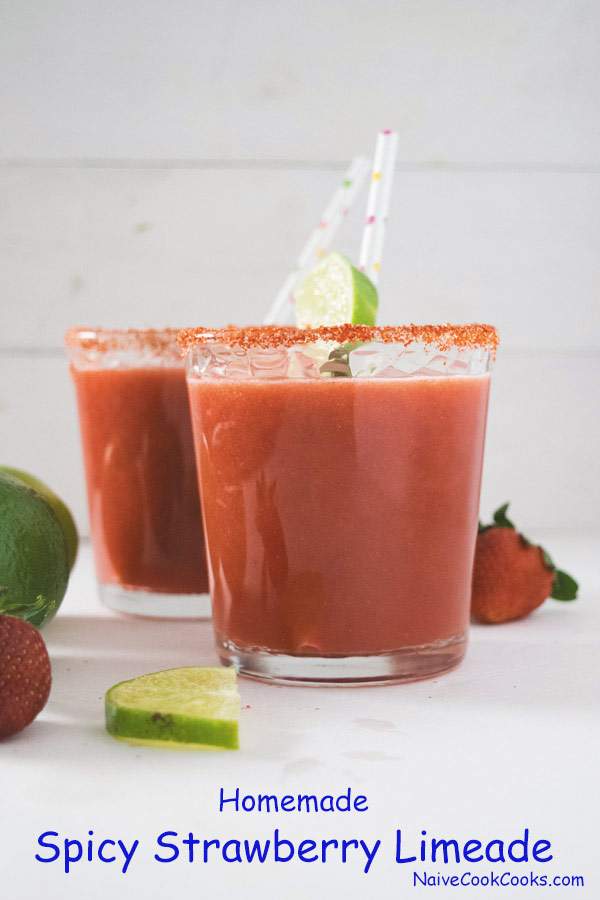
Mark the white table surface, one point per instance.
(508, 740)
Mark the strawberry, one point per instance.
(512, 576)
(25, 675)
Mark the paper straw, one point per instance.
(322, 236)
(378, 204)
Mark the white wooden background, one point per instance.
(162, 161)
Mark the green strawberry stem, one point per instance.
(564, 586)
(36, 613)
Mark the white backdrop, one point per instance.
(162, 161)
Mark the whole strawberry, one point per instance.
(512, 576)
(25, 675)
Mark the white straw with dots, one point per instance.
(321, 237)
(378, 204)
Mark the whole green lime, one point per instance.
(34, 557)
(65, 516)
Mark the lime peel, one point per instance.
(34, 560)
(62, 511)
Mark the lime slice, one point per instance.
(191, 708)
(62, 511)
(334, 293)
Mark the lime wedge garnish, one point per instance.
(334, 293)
(190, 708)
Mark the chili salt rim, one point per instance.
(106, 340)
(444, 337)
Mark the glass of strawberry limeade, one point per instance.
(340, 471)
(142, 487)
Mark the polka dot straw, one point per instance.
(321, 238)
(378, 204)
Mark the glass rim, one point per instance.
(109, 340)
(123, 348)
(446, 337)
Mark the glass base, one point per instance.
(154, 605)
(391, 667)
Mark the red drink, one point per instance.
(138, 452)
(340, 512)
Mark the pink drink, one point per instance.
(340, 512)
(140, 469)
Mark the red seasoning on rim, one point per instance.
(100, 340)
(444, 337)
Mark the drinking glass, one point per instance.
(340, 472)
(145, 517)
